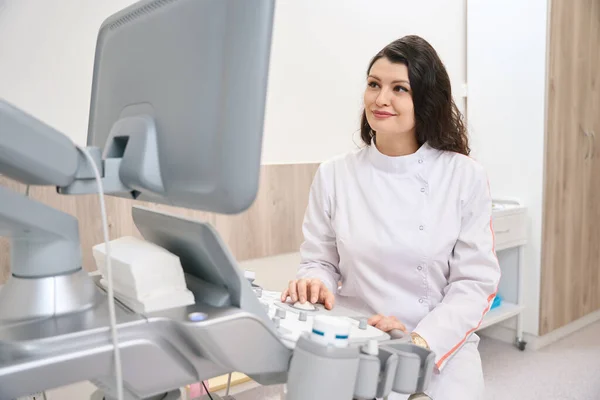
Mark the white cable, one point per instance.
(228, 384)
(111, 298)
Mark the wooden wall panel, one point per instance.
(271, 226)
(593, 275)
(4, 246)
(570, 260)
(4, 260)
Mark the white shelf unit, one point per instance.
(509, 218)
(502, 313)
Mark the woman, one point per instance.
(404, 224)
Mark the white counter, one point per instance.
(274, 273)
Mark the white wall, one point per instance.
(321, 50)
(506, 73)
(47, 57)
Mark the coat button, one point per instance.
(419, 267)
(421, 227)
(422, 190)
(420, 300)
(421, 161)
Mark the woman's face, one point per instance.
(388, 99)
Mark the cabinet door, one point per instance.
(568, 204)
(592, 299)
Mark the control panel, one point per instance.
(292, 319)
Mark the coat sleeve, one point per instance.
(319, 257)
(473, 278)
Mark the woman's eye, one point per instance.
(400, 89)
(373, 85)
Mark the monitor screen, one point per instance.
(197, 70)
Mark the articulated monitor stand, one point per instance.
(47, 278)
(46, 274)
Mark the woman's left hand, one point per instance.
(386, 324)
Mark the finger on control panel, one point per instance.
(374, 320)
(301, 287)
(384, 325)
(329, 298)
(315, 289)
(293, 291)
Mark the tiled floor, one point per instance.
(565, 370)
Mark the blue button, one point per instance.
(197, 316)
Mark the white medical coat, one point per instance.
(408, 236)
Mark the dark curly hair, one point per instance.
(437, 119)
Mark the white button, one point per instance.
(419, 268)
(420, 300)
(421, 227)
(331, 330)
(363, 323)
(422, 190)
(420, 161)
(372, 347)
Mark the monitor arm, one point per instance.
(46, 261)
(130, 163)
(34, 153)
(45, 240)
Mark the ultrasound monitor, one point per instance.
(179, 100)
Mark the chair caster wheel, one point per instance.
(521, 345)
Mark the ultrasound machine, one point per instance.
(167, 74)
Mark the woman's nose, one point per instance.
(383, 98)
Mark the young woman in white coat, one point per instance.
(401, 228)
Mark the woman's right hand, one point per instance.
(312, 290)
